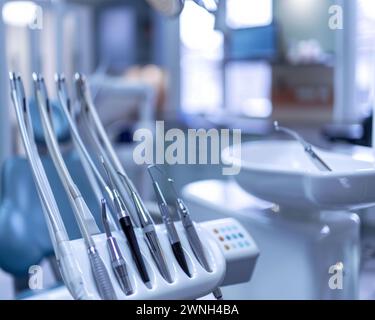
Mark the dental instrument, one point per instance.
(117, 261)
(84, 218)
(191, 231)
(127, 228)
(69, 268)
(173, 237)
(97, 137)
(144, 217)
(313, 156)
(88, 164)
(149, 232)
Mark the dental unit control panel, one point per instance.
(238, 247)
(233, 261)
(229, 266)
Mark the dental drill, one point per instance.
(173, 237)
(84, 218)
(313, 156)
(69, 268)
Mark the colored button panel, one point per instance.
(231, 237)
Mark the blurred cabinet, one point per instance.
(303, 89)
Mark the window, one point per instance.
(202, 53)
(201, 56)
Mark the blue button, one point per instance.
(228, 237)
(234, 236)
(247, 243)
(240, 235)
(241, 244)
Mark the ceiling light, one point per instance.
(19, 13)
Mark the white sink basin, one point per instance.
(282, 173)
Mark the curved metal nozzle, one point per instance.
(291, 133)
(317, 161)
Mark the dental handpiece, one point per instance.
(80, 209)
(313, 156)
(169, 225)
(192, 235)
(84, 216)
(127, 228)
(117, 261)
(149, 233)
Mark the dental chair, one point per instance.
(24, 238)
